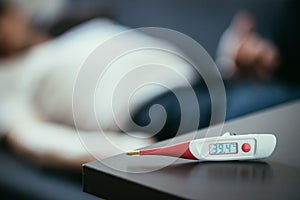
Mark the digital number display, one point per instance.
(223, 148)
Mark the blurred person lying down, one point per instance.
(37, 77)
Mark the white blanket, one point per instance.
(36, 89)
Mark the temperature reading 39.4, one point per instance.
(223, 148)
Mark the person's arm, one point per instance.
(59, 146)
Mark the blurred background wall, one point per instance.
(203, 20)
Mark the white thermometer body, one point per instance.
(233, 147)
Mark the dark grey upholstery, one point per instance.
(203, 20)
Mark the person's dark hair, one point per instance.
(3, 6)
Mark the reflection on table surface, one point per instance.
(227, 171)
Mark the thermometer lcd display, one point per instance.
(223, 148)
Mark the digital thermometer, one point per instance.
(226, 147)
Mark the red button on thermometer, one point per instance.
(246, 147)
(222, 148)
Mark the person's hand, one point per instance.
(256, 57)
(250, 54)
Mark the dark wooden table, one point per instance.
(148, 177)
